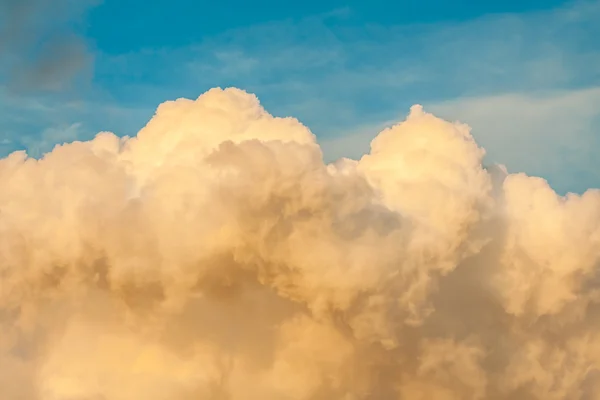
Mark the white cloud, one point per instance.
(215, 256)
(554, 135)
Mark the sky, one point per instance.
(523, 74)
(211, 247)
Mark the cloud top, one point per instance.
(216, 256)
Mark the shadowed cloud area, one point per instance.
(216, 256)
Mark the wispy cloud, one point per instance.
(374, 71)
(37, 123)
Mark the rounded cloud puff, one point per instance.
(216, 256)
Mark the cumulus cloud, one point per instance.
(216, 256)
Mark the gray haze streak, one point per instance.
(40, 50)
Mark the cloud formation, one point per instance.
(553, 135)
(216, 256)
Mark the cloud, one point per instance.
(342, 59)
(39, 122)
(547, 134)
(51, 137)
(215, 255)
(40, 45)
(551, 134)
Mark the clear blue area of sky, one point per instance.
(118, 26)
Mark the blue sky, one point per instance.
(524, 74)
